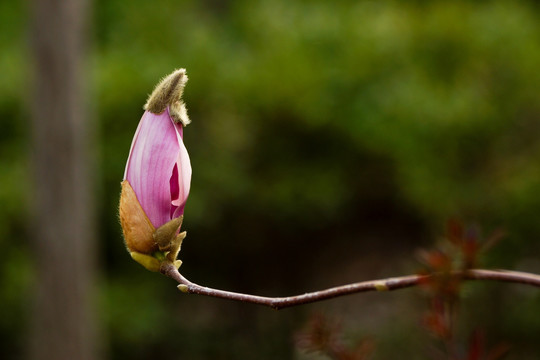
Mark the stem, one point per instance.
(388, 284)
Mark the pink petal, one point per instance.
(157, 150)
(181, 178)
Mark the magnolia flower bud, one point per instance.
(157, 177)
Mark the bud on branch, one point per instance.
(156, 186)
(157, 178)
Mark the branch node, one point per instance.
(380, 286)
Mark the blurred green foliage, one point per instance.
(329, 141)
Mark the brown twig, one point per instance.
(388, 284)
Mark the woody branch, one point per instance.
(388, 284)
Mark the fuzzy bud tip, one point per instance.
(168, 93)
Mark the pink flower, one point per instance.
(158, 168)
(157, 177)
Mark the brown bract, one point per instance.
(137, 228)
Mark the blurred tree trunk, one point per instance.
(62, 323)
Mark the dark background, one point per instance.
(329, 141)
